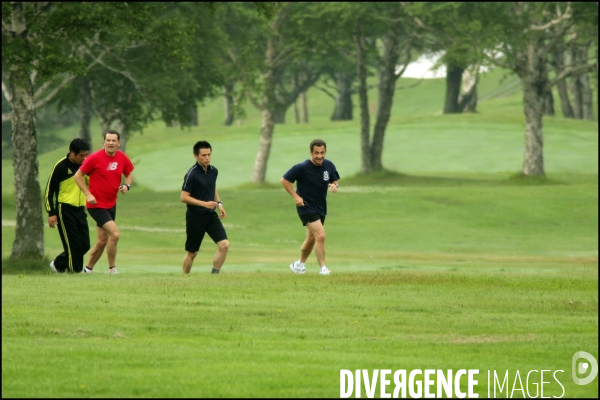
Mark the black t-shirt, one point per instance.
(313, 182)
(201, 185)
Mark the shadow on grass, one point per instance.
(26, 266)
(393, 178)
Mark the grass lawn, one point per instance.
(281, 335)
(450, 262)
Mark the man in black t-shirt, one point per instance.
(314, 177)
(200, 193)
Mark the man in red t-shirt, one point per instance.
(105, 168)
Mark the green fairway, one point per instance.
(281, 335)
(448, 260)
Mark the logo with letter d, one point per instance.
(583, 367)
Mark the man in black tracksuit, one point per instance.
(65, 204)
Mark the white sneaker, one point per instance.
(85, 271)
(324, 271)
(113, 271)
(52, 267)
(297, 267)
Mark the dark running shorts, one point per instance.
(311, 217)
(103, 215)
(196, 227)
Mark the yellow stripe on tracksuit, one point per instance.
(64, 231)
(68, 191)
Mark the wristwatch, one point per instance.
(128, 186)
(219, 203)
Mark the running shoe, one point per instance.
(297, 267)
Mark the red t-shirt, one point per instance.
(105, 176)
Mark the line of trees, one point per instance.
(131, 63)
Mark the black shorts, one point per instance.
(196, 227)
(311, 217)
(103, 215)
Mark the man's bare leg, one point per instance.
(318, 232)
(98, 249)
(188, 260)
(221, 254)
(307, 246)
(113, 239)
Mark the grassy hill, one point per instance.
(419, 139)
(455, 161)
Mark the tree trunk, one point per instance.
(119, 126)
(576, 93)
(304, 108)
(343, 100)
(259, 173)
(228, 97)
(363, 100)
(296, 112)
(86, 114)
(105, 124)
(548, 105)
(587, 111)
(580, 84)
(575, 84)
(587, 106)
(279, 113)
(387, 88)
(467, 100)
(563, 94)
(275, 100)
(105, 121)
(453, 80)
(534, 78)
(548, 99)
(193, 112)
(29, 232)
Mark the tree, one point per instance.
(339, 62)
(44, 43)
(445, 26)
(275, 63)
(394, 28)
(525, 35)
(135, 83)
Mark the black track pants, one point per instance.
(75, 237)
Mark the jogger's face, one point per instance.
(203, 157)
(317, 155)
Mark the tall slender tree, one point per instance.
(392, 26)
(275, 63)
(43, 43)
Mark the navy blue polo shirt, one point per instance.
(201, 185)
(312, 184)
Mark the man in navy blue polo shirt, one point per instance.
(200, 193)
(314, 177)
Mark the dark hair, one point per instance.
(202, 144)
(78, 145)
(318, 143)
(113, 132)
